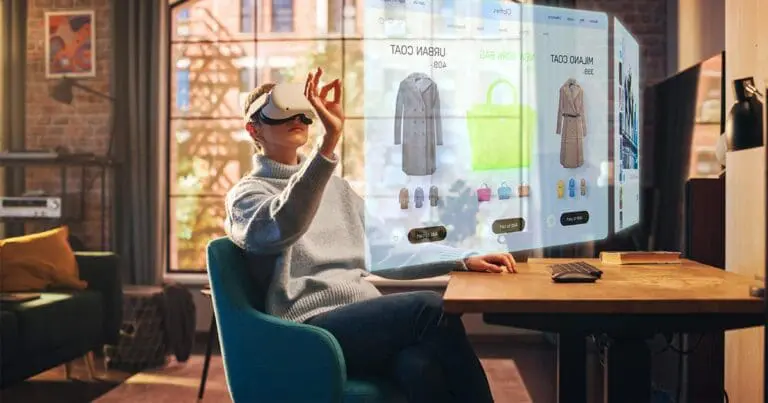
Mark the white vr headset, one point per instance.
(285, 102)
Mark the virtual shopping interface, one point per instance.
(487, 125)
(626, 148)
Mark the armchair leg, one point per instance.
(90, 365)
(207, 362)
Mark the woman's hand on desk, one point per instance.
(491, 263)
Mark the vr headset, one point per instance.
(284, 103)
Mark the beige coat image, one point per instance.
(571, 124)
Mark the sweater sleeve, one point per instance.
(264, 223)
(405, 261)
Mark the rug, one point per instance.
(178, 382)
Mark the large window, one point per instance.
(218, 53)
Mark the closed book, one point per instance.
(639, 257)
(18, 297)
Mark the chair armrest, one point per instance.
(101, 271)
(279, 360)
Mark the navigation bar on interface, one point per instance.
(496, 11)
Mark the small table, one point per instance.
(208, 348)
(629, 304)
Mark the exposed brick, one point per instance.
(82, 126)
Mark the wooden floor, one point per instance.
(518, 372)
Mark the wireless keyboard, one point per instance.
(575, 272)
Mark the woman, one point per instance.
(292, 206)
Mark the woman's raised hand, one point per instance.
(327, 102)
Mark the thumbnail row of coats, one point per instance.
(418, 197)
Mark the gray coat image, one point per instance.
(433, 196)
(418, 197)
(417, 124)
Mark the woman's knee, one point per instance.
(429, 314)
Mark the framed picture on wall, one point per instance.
(70, 44)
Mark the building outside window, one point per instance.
(247, 17)
(213, 66)
(335, 16)
(182, 89)
(282, 15)
(246, 79)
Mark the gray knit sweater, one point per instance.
(315, 223)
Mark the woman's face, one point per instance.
(291, 134)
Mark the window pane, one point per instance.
(247, 10)
(282, 15)
(206, 78)
(353, 146)
(180, 20)
(335, 16)
(291, 60)
(246, 83)
(207, 156)
(354, 75)
(182, 89)
(194, 221)
(207, 20)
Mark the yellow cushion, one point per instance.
(39, 261)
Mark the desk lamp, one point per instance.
(744, 124)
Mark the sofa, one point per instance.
(62, 325)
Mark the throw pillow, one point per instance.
(36, 262)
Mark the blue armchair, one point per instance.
(267, 359)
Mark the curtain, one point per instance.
(14, 60)
(137, 39)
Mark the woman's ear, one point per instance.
(253, 130)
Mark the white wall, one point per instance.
(746, 55)
(700, 30)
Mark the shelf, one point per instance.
(40, 219)
(18, 159)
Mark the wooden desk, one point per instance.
(629, 304)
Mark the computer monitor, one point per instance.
(689, 118)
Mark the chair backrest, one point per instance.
(243, 330)
(228, 268)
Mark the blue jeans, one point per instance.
(408, 338)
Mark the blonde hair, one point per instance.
(252, 97)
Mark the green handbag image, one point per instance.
(500, 135)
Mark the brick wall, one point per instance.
(84, 125)
(647, 20)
